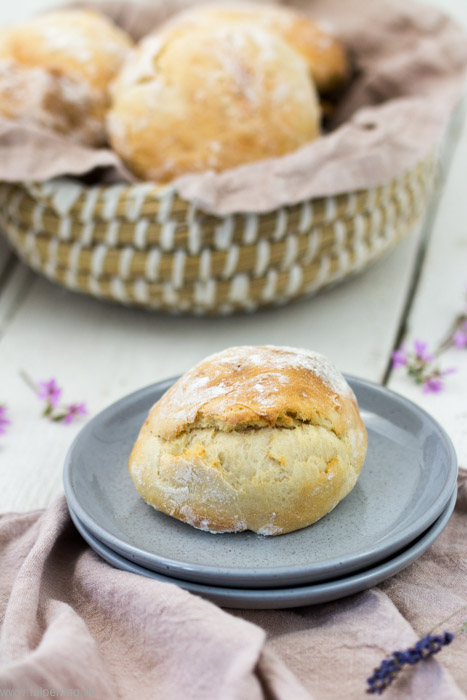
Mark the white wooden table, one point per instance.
(99, 352)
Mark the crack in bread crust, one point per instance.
(256, 386)
(288, 478)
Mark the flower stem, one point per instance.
(448, 342)
(456, 612)
(27, 380)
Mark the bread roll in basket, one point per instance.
(262, 233)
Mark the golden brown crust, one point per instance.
(40, 97)
(78, 43)
(210, 98)
(256, 387)
(324, 54)
(55, 72)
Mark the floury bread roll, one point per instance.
(324, 54)
(210, 98)
(55, 72)
(265, 438)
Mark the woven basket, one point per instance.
(143, 245)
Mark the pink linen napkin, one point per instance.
(71, 624)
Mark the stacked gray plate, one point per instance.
(401, 503)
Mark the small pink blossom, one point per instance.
(49, 391)
(73, 411)
(421, 366)
(448, 370)
(400, 357)
(3, 420)
(421, 351)
(459, 338)
(54, 410)
(435, 383)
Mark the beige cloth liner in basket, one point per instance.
(262, 233)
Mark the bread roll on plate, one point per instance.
(210, 98)
(56, 69)
(264, 438)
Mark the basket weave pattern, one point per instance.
(143, 245)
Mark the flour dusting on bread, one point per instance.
(263, 438)
(244, 92)
(255, 386)
(55, 72)
(281, 357)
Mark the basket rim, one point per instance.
(69, 197)
(159, 191)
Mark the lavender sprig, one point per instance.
(386, 673)
(388, 670)
(50, 393)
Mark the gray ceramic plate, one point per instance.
(270, 598)
(408, 478)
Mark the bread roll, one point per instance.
(200, 98)
(55, 72)
(266, 438)
(324, 54)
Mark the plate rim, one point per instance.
(271, 576)
(292, 596)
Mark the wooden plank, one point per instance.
(5, 254)
(14, 287)
(440, 296)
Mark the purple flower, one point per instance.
(448, 370)
(459, 338)
(3, 420)
(400, 357)
(73, 411)
(388, 670)
(435, 383)
(421, 351)
(49, 391)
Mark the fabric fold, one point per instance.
(71, 621)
